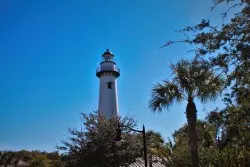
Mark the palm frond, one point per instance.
(211, 86)
(197, 79)
(182, 76)
(164, 95)
(190, 79)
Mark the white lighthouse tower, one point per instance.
(108, 97)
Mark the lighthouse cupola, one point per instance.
(107, 73)
(107, 56)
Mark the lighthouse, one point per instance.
(107, 73)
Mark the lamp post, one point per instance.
(119, 140)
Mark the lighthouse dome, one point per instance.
(107, 55)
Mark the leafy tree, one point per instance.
(94, 144)
(233, 141)
(155, 147)
(7, 158)
(191, 79)
(32, 158)
(227, 49)
(24, 155)
(205, 134)
(180, 155)
(40, 161)
(210, 153)
(56, 159)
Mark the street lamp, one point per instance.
(119, 140)
(118, 137)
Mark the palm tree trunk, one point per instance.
(192, 135)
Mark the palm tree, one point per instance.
(191, 79)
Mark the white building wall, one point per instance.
(108, 98)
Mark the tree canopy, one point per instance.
(94, 144)
(226, 49)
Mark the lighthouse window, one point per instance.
(109, 85)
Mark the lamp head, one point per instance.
(107, 55)
(118, 138)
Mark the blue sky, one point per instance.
(50, 50)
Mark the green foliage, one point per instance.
(7, 158)
(180, 155)
(32, 158)
(155, 147)
(191, 79)
(205, 134)
(210, 152)
(226, 49)
(94, 145)
(40, 161)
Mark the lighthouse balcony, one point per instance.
(111, 69)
